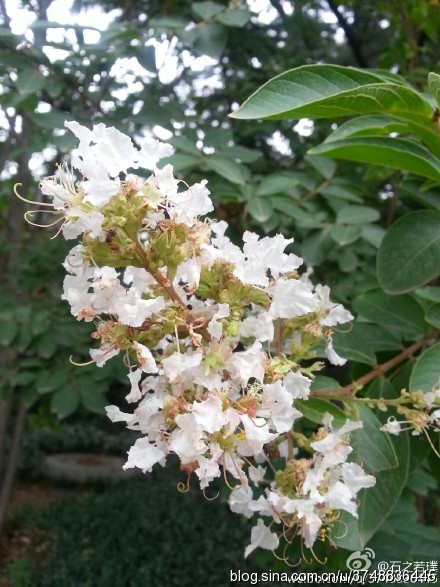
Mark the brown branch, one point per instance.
(379, 369)
(11, 465)
(355, 46)
(409, 34)
(4, 13)
(314, 192)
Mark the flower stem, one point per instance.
(352, 388)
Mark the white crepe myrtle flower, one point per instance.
(392, 426)
(145, 358)
(333, 356)
(145, 455)
(261, 537)
(292, 298)
(135, 393)
(215, 328)
(214, 335)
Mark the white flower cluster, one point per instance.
(216, 336)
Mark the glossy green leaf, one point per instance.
(227, 168)
(341, 189)
(277, 183)
(239, 154)
(347, 260)
(434, 86)
(205, 10)
(323, 165)
(356, 215)
(211, 40)
(8, 331)
(344, 235)
(324, 383)
(23, 378)
(93, 400)
(368, 125)
(378, 338)
(48, 381)
(64, 402)
(409, 255)
(373, 234)
(146, 55)
(432, 315)
(426, 372)
(52, 119)
(260, 209)
(168, 22)
(181, 161)
(235, 17)
(410, 541)
(417, 189)
(398, 313)
(329, 91)
(388, 459)
(185, 144)
(403, 154)
(314, 409)
(30, 81)
(351, 345)
(430, 293)
(289, 208)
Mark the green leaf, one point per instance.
(211, 40)
(403, 154)
(8, 331)
(93, 401)
(371, 447)
(429, 293)
(277, 183)
(434, 86)
(368, 125)
(351, 345)
(432, 315)
(260, 209)
(23, 378)
(388, 459)
(181, 162)
(373, 234)
(341, 189)
(417, 189)
(30, 81)
(227, 168)
(186, 145)
(426, 372)
(400, 313)
(235, 17)
(168, 22)
(356, 215)
(347, 261)
(410, 541)
(64, 402)
(49, 381)
(205, 10)
(314, 409)
(378, 338)
(289, 208)
(329, 91)
(146, 55)
(324, 166)
(239, 154)
(323, 383)
(52, 119)
(409, 255)
(344, 235)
